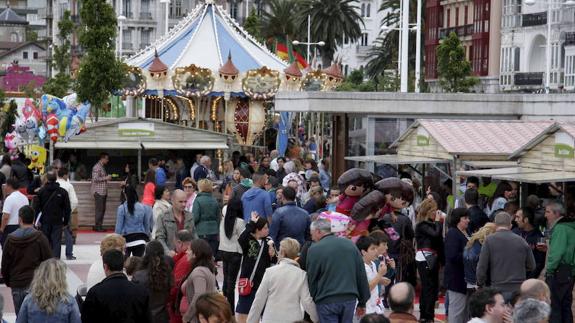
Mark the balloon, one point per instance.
(52, 126)
(338, 221)
(354, 176)
(51, 104)
(10, 140)
(20, 127)
(77, 124)
(37, 155)
(41, 134)
(31, 129)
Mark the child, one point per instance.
(381, 239)
(375, 275)
(333, 199)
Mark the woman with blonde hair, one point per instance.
(471, 255)
(214, 308)
(429, 238)
(49, 300)
(96, 272)
(284, 291)
(206, 212)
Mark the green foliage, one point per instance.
(58, 85)
(355, 77)
(354, 82)
(278, 21)
(30, 90)
(31, 35)
(8, 117)
(453, 69)
(253, 25)
(331, 22)
(100, 72)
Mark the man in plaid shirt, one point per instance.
(100, 189)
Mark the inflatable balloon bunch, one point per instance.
(64, 117)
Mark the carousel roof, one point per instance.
(205, 37)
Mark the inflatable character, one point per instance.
(76, 124)
(31, 129)
(37, 155)
(11, 141)
(353, 183)
(52, 126)
(20, 128)
(339, 222)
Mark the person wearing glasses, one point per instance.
(190, 189)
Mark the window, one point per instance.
(234, 9)
(465, 12)
(363, 9)
(35, 55)
(145, 40)
(345, 40)
(447, 16)
(456, 16)
(24, 55)
(14, 37)
(368, 10)
(260, 7)
(364, 39)
(516, 59)
(127, 8)
(178, 11)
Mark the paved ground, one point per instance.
(87, 250)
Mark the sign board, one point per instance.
(564, 145)
(422, 137)
(136, 129)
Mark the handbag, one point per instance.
(245, 285)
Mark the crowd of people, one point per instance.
(262, 226)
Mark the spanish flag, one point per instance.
(286, 52)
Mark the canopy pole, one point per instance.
(423, 188)
(51, 152)
(140, 164)
(454, 180)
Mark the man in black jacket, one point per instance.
(116, 299)
(54, 204)
(477, 218)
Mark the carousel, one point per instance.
(209, 73)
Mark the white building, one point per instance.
(523, 46)
(354, 55)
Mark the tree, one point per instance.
(355, 82)
(100, 72)
(453, 69)
(253, 25)
(280, 20)
(60, 84)
(8, 116)
(331, 22)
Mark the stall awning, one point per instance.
(490, 163)
(396, 159)
(98, 145)
(185, 145)
(496, 171)
(538, 177)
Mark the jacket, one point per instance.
(477, 219)
(139, 222)
(562, 245)
(428, 235)
(470, 260)
(395, 317)
(200, 281)
(55, 210)
(397, 231)
(231, 244)
(167, 228)
(158, 300)
(240, 189)
(159, 208)
(65, 184)
(116, 300)
(284, 294)
(454, 278)
(66, 312)
(148, 197)
(250, 251)
(507, 258)
(290, 221)
(336, 272)
(256, 199)
(532, 238)
(23, 252)
(200, 172)
(206, 212)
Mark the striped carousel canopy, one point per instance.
(205, 37)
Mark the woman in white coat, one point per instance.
(284, 290)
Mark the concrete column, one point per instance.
(339, 145)
(130, 106)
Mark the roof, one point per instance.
(396, 159)
(479, 137)
(19, 46)
(568, 127)
(229, 68)
(204, 38)
(157, 65)
(9, 16)
(522, 174)
(293, 70)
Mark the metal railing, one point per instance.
(461, 31)
(145, 16)
(534, 78)
(534, 19)
(569, 39)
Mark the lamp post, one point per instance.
(121, 19)
(167, 2)
(418, 47)
(297, 42)
(550, 4)
(403, 54)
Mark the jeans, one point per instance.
(100, 209)
(341, 312)
(18, 295)
(561, 286)
(69, 238)
(429, 289)
(53, 233)
(136, 251)
(231, 262)
(457, 307)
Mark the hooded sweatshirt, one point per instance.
(23, 252)
(256, 199)
(561, 245)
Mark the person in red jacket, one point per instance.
(182, 268)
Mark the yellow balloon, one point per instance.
(62, 126)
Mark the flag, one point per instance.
(286, 52)
(282, 137)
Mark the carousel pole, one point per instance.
(51, 158)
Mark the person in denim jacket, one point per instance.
(134, 222)
(61, 307)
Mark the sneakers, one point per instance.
(70, 258)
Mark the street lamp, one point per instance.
(550, 4)
(121, 19)
(167, 2)
(297, 42)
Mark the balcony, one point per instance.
(534, 19)
(461, 31)
(127, 46)
(146, 16)
(569, 39)
(144, 45)
(522, 79)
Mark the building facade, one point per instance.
(477, 24)
(524, 59)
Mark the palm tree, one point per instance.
(331, 22)
(279, 21)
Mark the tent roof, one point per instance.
(205, 37)
(479, 137)
(568, 127)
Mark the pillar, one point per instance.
(339, 145)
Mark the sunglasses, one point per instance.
(188, 186)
